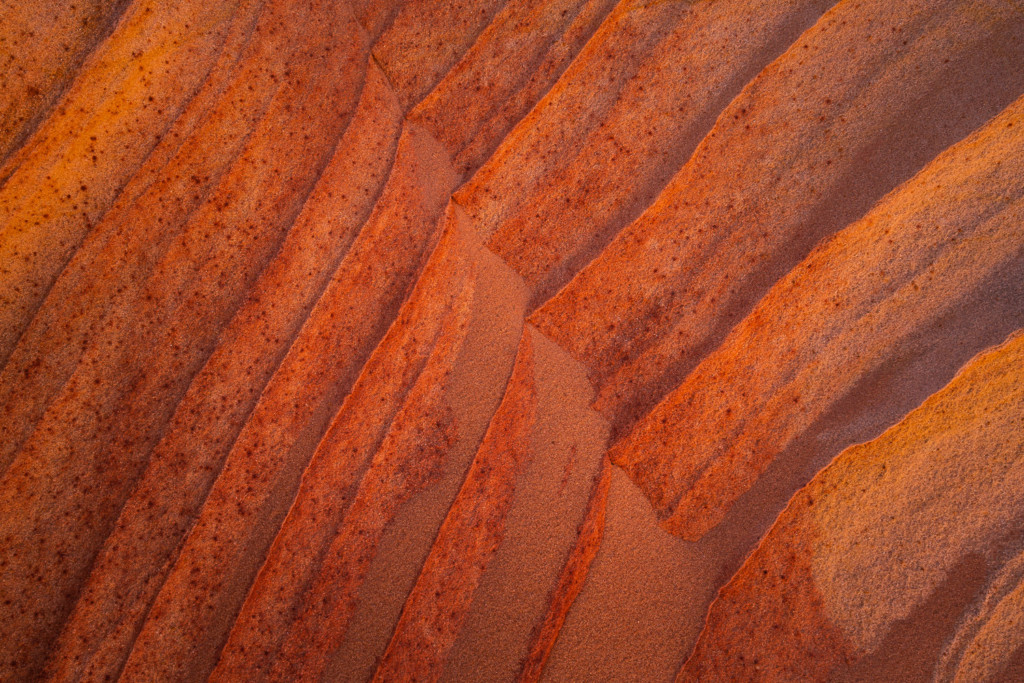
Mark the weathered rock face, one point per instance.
(379, 340)
(886, 546)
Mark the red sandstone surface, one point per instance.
(494, 340)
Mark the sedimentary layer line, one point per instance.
(317, 320)
(780, 170)
(895, 303)
(206, 422)
(890, 541)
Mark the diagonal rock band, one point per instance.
(574, 340)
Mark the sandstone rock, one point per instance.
(893, 304)
(479, 341)
(886, 544)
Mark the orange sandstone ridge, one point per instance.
(575, 340)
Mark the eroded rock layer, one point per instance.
(479, 341)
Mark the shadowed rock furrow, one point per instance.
(546, 509)
(891, 540)
(257, 602)
(184, 464)
(479, 375)
(375, 15)
(555, 60)
(139, 229)
(41, 48)
(318, 319)
(472, 531)
(539, 38)
(335, 471)
(216, 385)
(803, 150)
(422, 43)
(278, 439)
(104, 127)
(112, 251)
(589, 158)
(79, 464)
(987, 645)
(873, 321)
(638, 136)
(410, 458)
(543, 141)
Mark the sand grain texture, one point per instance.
(511, 340)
